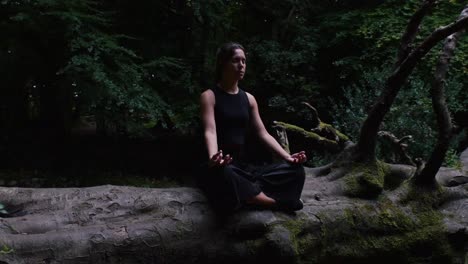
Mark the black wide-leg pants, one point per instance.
(229, 187)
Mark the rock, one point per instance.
(281, 245)
(251, 224)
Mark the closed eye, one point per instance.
(238, 59)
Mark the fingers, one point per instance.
(216, 155)
(227, 159)
(299, 157)
(216, 158)
(219, 160)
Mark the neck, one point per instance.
(229, 86)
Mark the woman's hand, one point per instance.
(218, 159)
(297, 158)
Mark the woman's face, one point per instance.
(234, 69)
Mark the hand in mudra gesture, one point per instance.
(219, 160)
(297, 158)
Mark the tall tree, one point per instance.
(370, 127)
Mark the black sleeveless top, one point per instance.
(232, 117)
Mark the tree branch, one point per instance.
(444, 122)
(282, 137)
(315, 117)
(399, 145)
(370, 127)
(412, 30)
(310, 139)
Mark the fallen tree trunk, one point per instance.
(117, 224)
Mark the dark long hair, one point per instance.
(224, 54)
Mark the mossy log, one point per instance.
(324, 137)
(117, 224)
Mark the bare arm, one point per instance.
(207, 103)
(270, 141)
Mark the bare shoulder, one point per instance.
(252, 100)
(207, 97)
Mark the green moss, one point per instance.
(365, 180)
(385, 234)
(6, 250)
(307, 134)
(380, 231)
(315, 136)
(341, 136)
(305, 244)
(423, 198)
(391, 182)
(377, 233)
(255, 246)
(295, 228)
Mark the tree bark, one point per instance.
(311, 140)
(400, 146)
(444, 122)
(117, 224)
(412, 30)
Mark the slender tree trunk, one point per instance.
(444, 122)
(412, 30)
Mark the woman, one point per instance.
(227, 113)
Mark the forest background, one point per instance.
(96, 92)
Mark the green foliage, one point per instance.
(107, 79)
(350, 113)
(136, 67)
(362, 71)
(411, 113)
(282, 76)
(172, 77)
(114, 84)
(452, 159)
